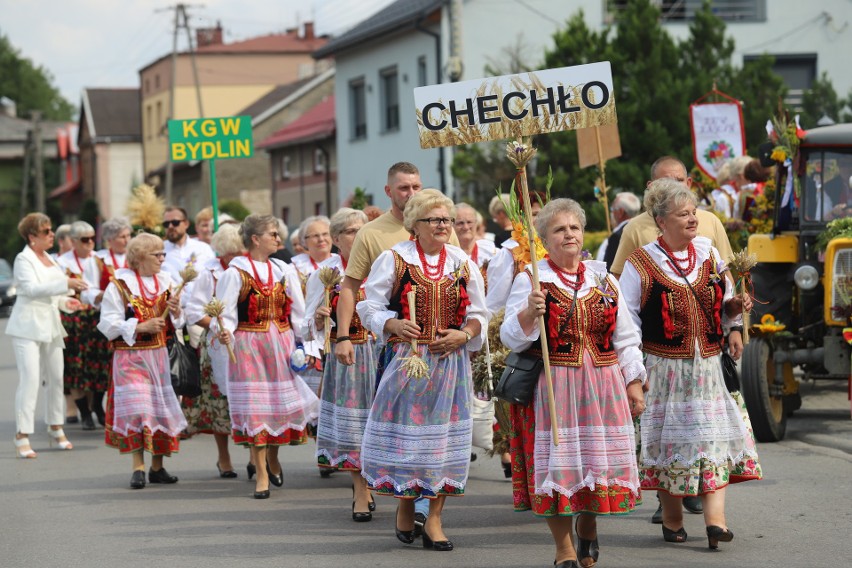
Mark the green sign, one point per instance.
(210, 138)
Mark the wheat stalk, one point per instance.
(187, 275)
(742, 262)
(214, 309)
(329, 277)
(414, 366)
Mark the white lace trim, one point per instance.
(272, 431)
(339, 460)
(414, 483)
(634, 370)
(588, 482)
(153, 428)
(717, 461)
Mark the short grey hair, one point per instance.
(345, 218)
(460, 206)
(423, 201)
(140, 246)
(283, 231)
(498, 204)
(303, 226)
(665, 195)
(294, 238)
(254, 226)
(80, 228)
(555, 207)
(627, 202)
(112, 228)
(62, 231)
(227, 240)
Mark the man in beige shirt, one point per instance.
(642, 229)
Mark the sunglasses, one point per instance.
(44, 232)
(172, 223)
(87, 240)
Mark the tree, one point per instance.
(822, 100)
(30, 86)
(234, 208)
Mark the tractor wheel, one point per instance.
(768, 418)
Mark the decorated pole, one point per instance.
(520, 154)
(214, 309)
(187, 275)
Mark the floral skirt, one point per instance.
(593, 469)
(269, 404)
(143, 412)
(87, 352)
(418, 435)
(347, 395)
(696, 438)
(208, 412)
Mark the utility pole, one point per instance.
(25, 184)
(40, 204)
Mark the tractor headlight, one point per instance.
(806, 277)
(11, 291)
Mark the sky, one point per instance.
(104, 43)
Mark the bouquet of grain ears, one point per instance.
(414, 366)
(329, 277)
(742, 262)
(214, 309)
(187, 275)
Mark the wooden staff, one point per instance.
(214, 309)
(414, 366)
(520, 155)
(602, 166)
(329, 278)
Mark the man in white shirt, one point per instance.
(624, 207)
(180, 249)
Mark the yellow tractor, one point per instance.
(805, 278)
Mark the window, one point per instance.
(156, 81)
(422, 76)
(390, 99)
(284, 166)
(319, 161)
(358, 109)
(285, 215)
(147, 86)
(149, 121)
(684, 10)
(161, 126)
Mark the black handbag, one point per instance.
(185, 369)
(729, 366)
(517, 383)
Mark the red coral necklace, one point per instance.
(474, 255)
(563, 275)
(266, 289)
(684, 265)
(432, 272)
(115, 265)
(80, 266)
(143, 293)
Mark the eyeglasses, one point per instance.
(274, 234)
(435, 221)
(87, 240)
(172, 223)
(350, 231)
(44, 232)
(318, 236)
(160, 255)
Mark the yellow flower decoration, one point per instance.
(522, 251)
(778, 154)
(769, 325)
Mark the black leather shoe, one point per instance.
(439, 545)
(568, 564)
(360, 517)
(507, 469)
(405, 537)
(161, 476)
(88, 423)
(137, 480)
(251, 470)
(674, 536)
(587, 552)
(229, 474)
(372, 504)
(419, 521)
(693, 505)
(276, 480)
(657, 517)
(262, 494)
(715, 535)
(325, 472)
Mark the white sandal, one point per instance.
(55, 436)
(26, 454)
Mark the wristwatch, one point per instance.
(736, 328)
(467, 334)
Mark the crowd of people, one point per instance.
(362, 338)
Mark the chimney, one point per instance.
(309, 30)
(209, 36)
(8, 107)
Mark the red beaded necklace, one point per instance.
(313, 262)
(563, 275)
(343, 260)
(684, 265)
(115, 265)
(432, 272)
(266, 290)
(474, 255)
(80, 266)
(143, 293)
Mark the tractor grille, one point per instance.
(841, 285)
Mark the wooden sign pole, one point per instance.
(602, 166)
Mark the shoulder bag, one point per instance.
(184, 367)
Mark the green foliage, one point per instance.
(234, 208)
(30, 86)
(822, 100)
(89, 212)
(359, 198)
(835, 229)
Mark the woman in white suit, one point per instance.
(37, 333)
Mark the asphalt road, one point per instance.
(74, 509)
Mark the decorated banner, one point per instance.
(718, 134)
(512, 106)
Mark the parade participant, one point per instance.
(449, 314)
(469, 242)
(204, 225)
(296, 243)
(598, 375)
(497, 208)
(347, 390)
(143, 413)
(182, 251)
(731, 179)
(86, 349)
(694, 437)
(270, 405)
(623, 208)
(62, 239)
(282, 253)
(37, 333)
(208, 412)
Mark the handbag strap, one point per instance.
(682, 275)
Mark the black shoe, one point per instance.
(473, 456)
(568, 564)
(439, 545)
(72, 420)
(98, 407)
(88, 423)
(405, 537)
(85, 413)
(507, 469)
(715, 535)
(137, 480)
(360, 517)
(419, 522)
(372, 504)
(230, 474)
(251, 470)
(674, 536)
(587, 549)
(657, 517)
(262, 494)
(276, 480)
(161, 476)
(325, 472)
(693, 505)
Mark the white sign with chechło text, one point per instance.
(511, 106)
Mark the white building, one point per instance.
(381, 60)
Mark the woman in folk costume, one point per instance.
(87, 350)
(138, 312)
(208, 412)
(270, 405)
(597, 373)
(347, 390)
(695, 436)
(418, 436)
(477, 249)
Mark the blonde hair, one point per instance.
(30, 225)
(664, 195)
(140, 246)
(205, 214)
(227, 240)
(423, 201)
